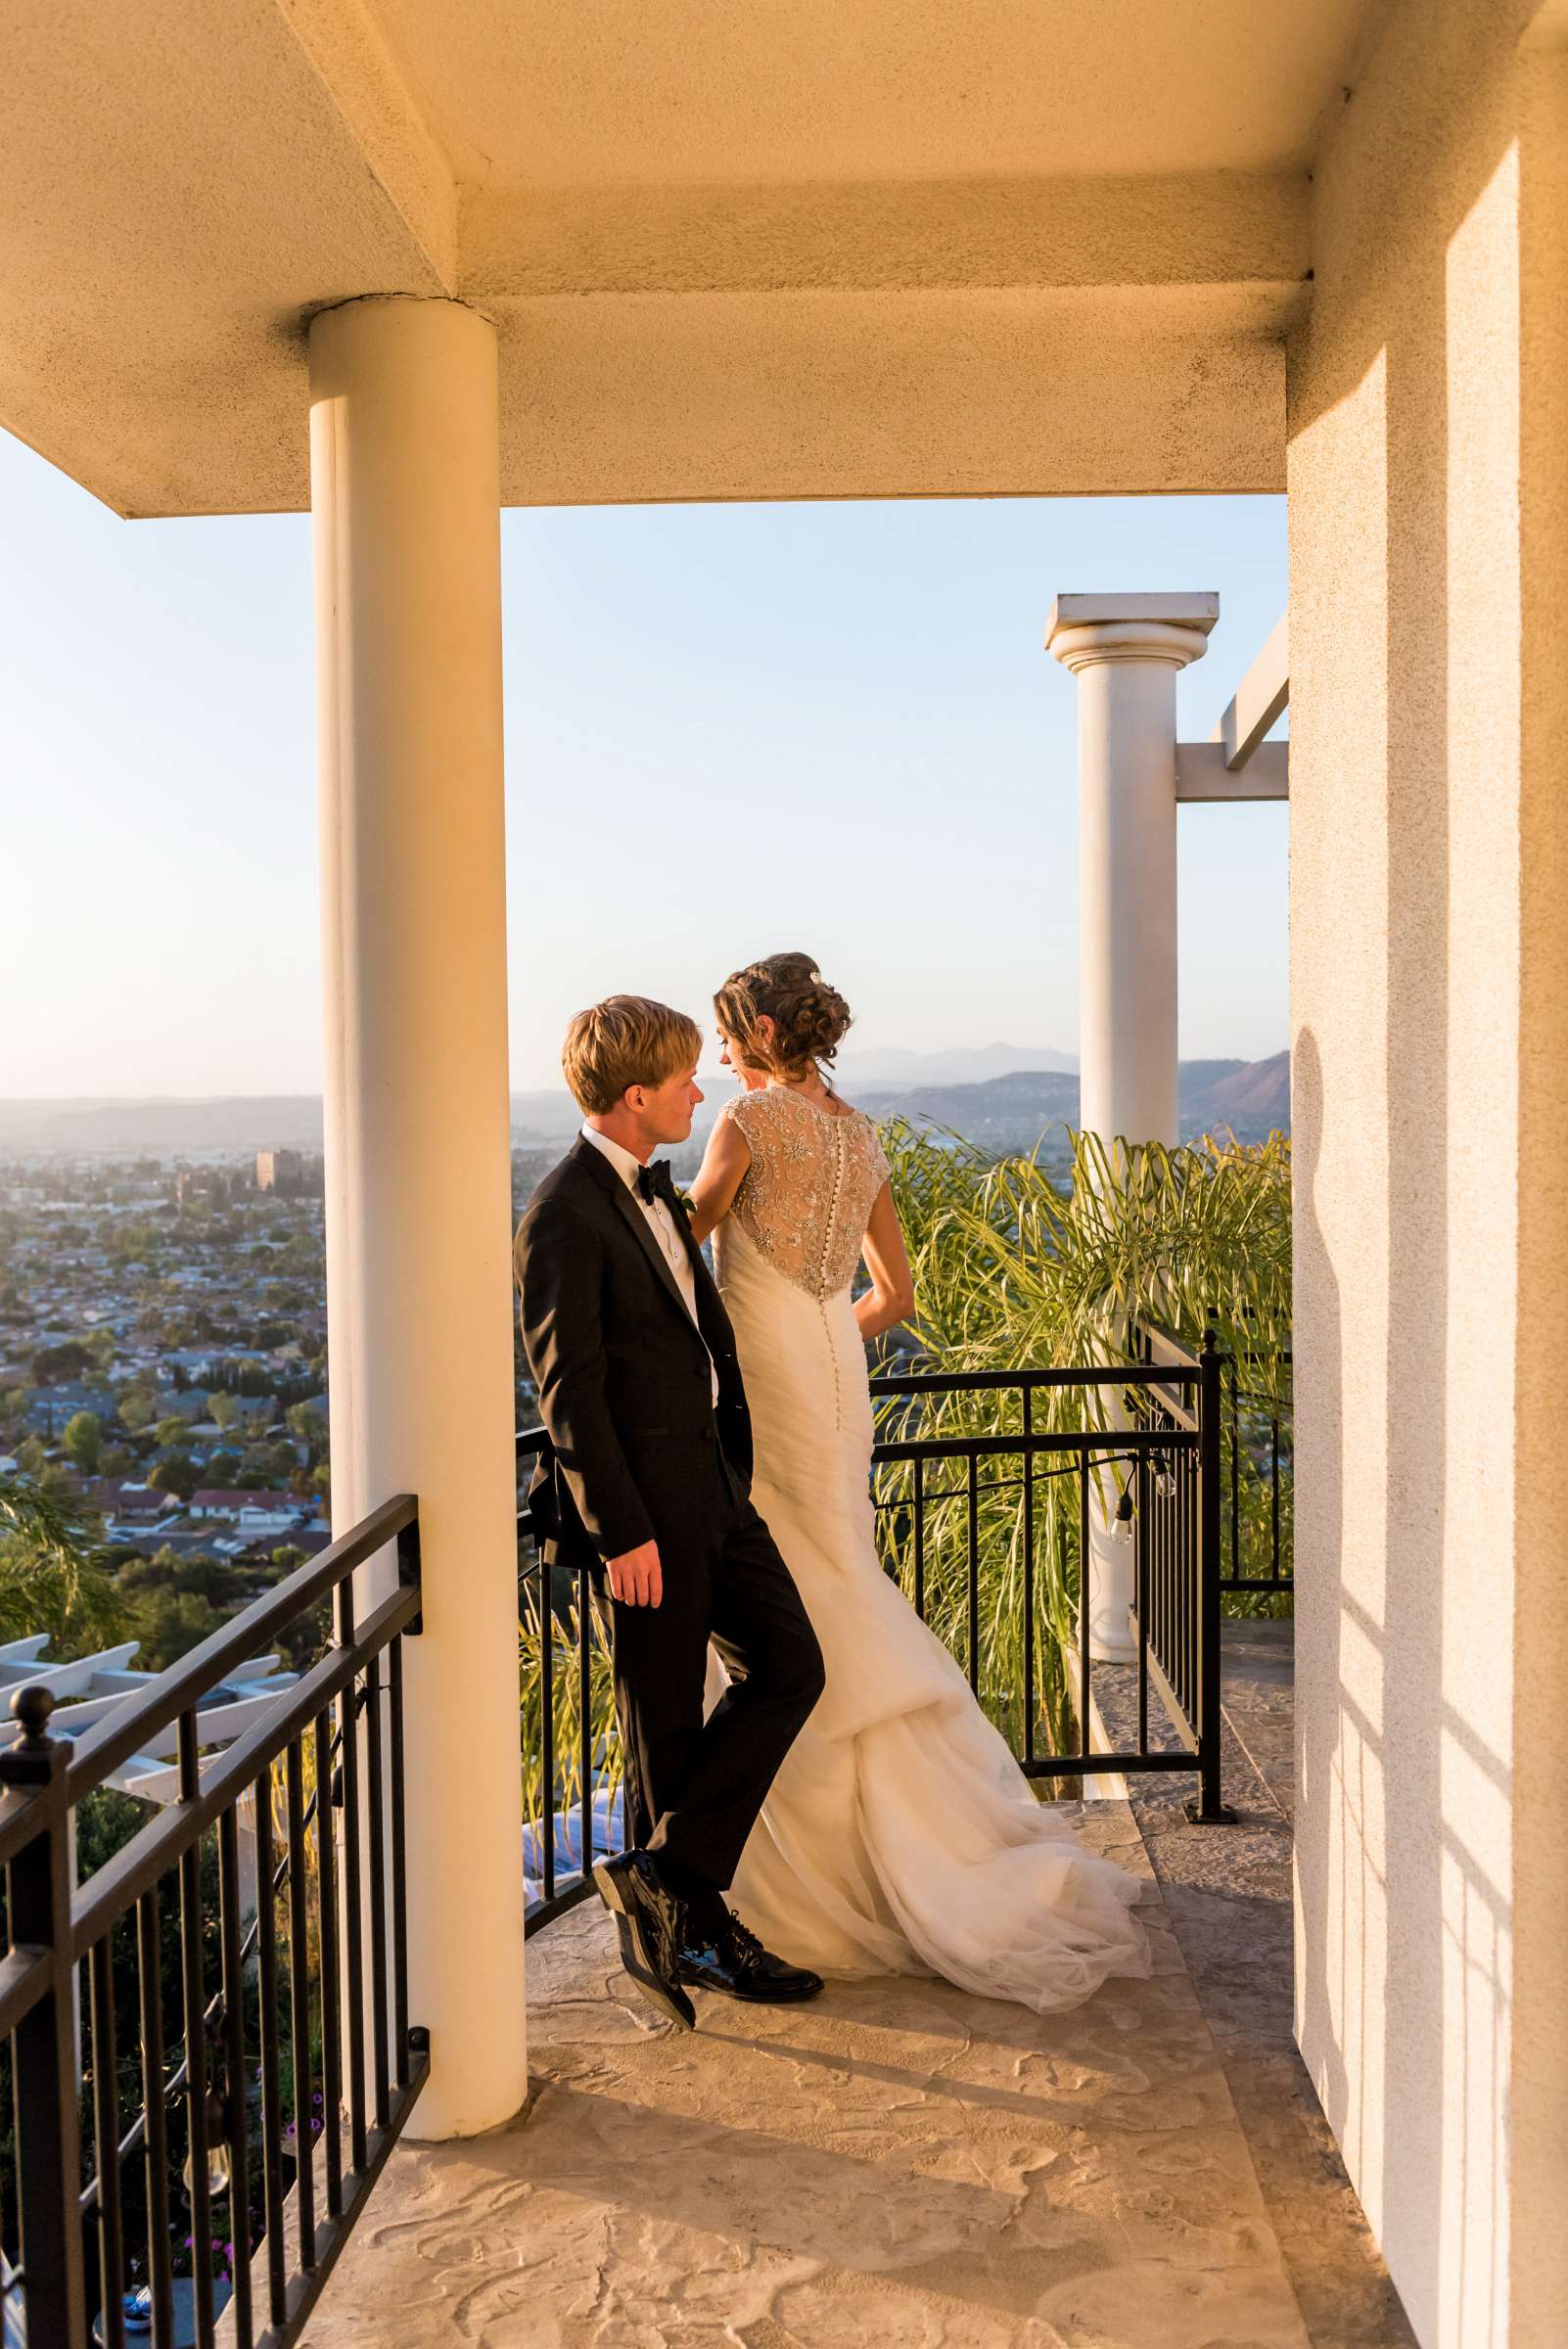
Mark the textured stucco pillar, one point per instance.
(407, 539)
(1429, 1002)
(1126, 652)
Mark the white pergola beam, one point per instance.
(215, 1724)
(1203, 772)
(69, 1678)
(1258, 700)
(152, 1779)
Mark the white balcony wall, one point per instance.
(1429, 855)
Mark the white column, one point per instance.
(405, 497)
(1125, 651)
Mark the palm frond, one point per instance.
(55, 1573)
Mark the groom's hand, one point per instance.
(635, 1578)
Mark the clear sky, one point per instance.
(730, 729)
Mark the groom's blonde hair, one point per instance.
(625, 1041)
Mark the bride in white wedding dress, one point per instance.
(899, 1835)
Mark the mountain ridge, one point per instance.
(1251, 1097)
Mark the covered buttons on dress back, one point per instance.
(805, 1198)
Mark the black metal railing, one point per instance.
(566, 1779)
(1150, 1434)
(1258, 1521)
(1150, 1431)
(234, 2074)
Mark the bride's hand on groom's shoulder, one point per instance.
(636, 1577)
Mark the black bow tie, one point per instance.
(655, 1182)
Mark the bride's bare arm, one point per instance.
(719, 1178)
(889, 1299)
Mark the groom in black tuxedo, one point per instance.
(634, 1356)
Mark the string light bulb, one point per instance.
(219, 2167)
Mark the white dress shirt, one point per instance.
(660, 1221)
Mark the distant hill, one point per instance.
(254, 1122)
(889, 1070)
(1010, 1113)
(1197, 1078)
(1004, 1113)
(1253, 1099)
(1002, 1109)
(552, 1116)
(245, 1123)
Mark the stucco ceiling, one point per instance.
(566, 92)
(791, 248)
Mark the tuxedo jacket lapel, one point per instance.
(711, 1318)
(625, 1205)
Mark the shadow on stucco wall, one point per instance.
(1539, 2102)
(1405, 1747)
(1319, 1399)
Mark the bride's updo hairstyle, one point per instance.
(810, 1018)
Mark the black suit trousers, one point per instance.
(693, 1788)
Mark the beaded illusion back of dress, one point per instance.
(808, 1194)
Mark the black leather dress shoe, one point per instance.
(651, 1926)
(736, 1963)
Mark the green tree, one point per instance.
(225, 1412)
(305, 1641)
(101, 1346)
(306, 1423)
(179, 1474)
(69, 1360)
(138, 1574)
(169, 1622)
(211, 1579)
(83, 1439)
(172, 1431)
(136, 1411)
(55, 1575)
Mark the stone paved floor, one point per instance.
(897, 2164)
(1226, 1892)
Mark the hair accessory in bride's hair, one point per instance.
(806, 1017)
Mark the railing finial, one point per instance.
(31, 1708)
